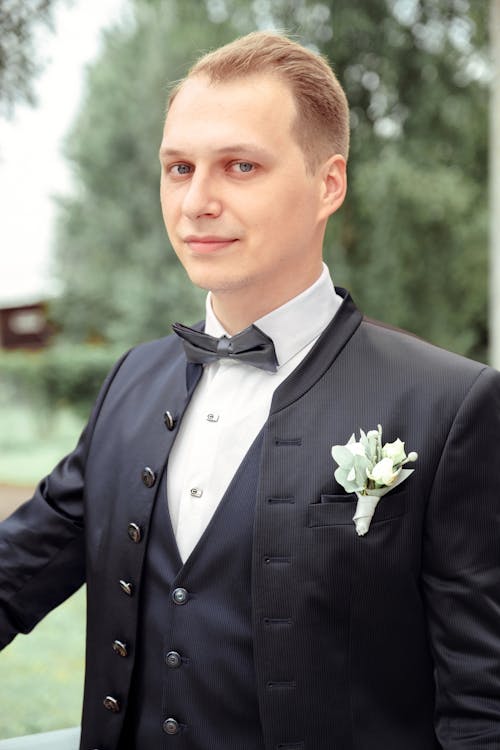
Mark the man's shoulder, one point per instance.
(406, 350)
(148, 357)
(161, 349)
(157, 347)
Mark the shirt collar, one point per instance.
(295, 324)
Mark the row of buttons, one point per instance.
(120, 648)
(173, 660)
(148, 476)
(179, 596)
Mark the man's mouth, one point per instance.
(208, 243)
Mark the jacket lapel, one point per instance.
(322, 355)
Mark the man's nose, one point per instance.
(201, 198)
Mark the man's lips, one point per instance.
(208, 244)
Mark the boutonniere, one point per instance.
(370, 469)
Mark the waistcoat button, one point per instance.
(134, 533)
(180, 596)
(111, 704)
(120, 648)
(148, 476)
(173, 660)
(170, 726)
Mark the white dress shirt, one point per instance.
(230, 406)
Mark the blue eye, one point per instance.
(245, 166)
(180, 169)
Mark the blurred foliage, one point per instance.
(411, 240)
(66, 375)
(33, 440)
(19, 22)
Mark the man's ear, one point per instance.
(333, 185)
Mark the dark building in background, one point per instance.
(24, 326)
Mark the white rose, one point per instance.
(383, 472)
(356, 449)
(395, 451)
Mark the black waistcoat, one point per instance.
(194, 662)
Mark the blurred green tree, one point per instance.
(19, 22)
(121, 280)
(411, 240)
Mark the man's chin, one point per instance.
(217, 283)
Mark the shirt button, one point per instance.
(173, 660)
(111, 704)
(180, 596)
(134, 533)
(170, 726)
(212, 417)
(196, 492)
(148, 476)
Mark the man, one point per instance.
(231, 603)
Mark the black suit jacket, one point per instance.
(391, 640)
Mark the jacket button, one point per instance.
(111, 704)
(180, 596)
(148, 476)
(170, 726)
(134, 532)
(120, 648)
(169, 420)
(173, 660)
(126, 587)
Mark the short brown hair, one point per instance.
(322, 124)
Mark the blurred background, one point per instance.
(86, 269)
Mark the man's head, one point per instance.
(245, 195)
(322, 121)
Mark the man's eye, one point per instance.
(180, 169)
(243, 166)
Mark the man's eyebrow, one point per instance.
(253, 148)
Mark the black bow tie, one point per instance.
(251, 346)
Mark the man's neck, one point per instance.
(236, 310)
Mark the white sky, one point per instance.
(32, 168)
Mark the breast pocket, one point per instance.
(338, 510)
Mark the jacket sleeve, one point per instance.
(42, 550)
(461, 578)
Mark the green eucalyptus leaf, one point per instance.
(342, 456)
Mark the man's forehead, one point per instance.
(256, 91)
(250, 112)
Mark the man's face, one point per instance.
(242, 212)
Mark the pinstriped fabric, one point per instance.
(211, 691)
(360, 609)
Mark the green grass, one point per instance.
(41, 674)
